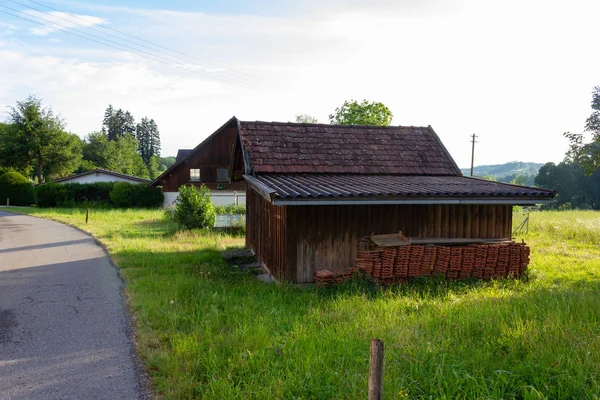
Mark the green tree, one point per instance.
(153, 167)
(124, 158)
(565, 179)
(165, 163)
(365, 113)
(35, 138)
(148, 138)
(519, 180)
(117, 123)
(96, 150)
(306, 119)
(119, 155)
(65, 157)
(587, 154)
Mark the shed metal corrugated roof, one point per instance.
(379, 187)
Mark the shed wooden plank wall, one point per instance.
(266, 234)
(327, 236)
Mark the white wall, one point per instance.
(170, 198)
(219, 198)
(98, 177)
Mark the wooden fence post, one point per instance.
(87, 215)
(376, 370)
(7, 202)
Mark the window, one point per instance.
(222, 175)
(194, 174)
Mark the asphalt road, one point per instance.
(64, 330)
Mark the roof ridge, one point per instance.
(106, 171)
(280, 123)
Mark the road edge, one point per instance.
(144, 382)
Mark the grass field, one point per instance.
(208, 331)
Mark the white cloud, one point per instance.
(518, 75)
(57, 21)
(7, 25)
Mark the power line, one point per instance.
(123, 47)
(232, 73)
(225, 75)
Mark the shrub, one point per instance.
(17, 188)
(193, 208)
(130, 195)
(91, 195)
(230, 209)
(98, 195)
(50, 194)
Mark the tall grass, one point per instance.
(207, 330)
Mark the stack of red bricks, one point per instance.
(365, 261)
(325, 277)
(428, 261)
(402, 261)
(479, 262)
(390, 265)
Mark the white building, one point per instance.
(100, 175)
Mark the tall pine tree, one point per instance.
(148, 138)
(117, 123)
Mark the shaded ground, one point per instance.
(64, 332)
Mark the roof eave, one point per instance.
(262, 189)
(323, 201)
(101, 171)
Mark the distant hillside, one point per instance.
(507, 172)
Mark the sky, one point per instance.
(518, 74)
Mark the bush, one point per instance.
(193, 208)
(74, 194)
(98, 195)
(50, 194)
(230, 209)
(17, 188)
(129, 195)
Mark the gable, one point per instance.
(209, 156)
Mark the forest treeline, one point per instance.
(34, 141)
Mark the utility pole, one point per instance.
(473, 137)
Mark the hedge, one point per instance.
(98, 195)
(230, 209)
(17, 188)
(74, 194)
(129, 195)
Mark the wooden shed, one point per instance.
(315, 190)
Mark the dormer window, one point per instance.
(194, 174)
(222, 175)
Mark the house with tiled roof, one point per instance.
(207, 164)
(315, 191)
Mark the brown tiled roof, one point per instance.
(348, 186)
(274, 147)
